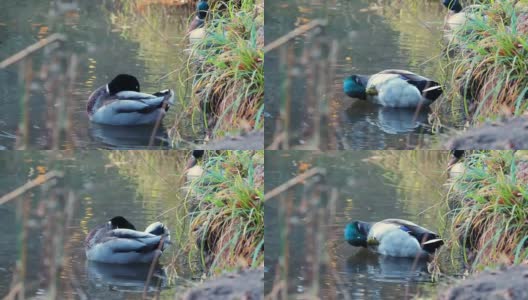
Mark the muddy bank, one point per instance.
(505, 134)
(245, 284)
(251, 141)
(508, 283)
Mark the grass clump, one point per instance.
(489, 222)
(490, 61)
(228, 221)
(228, 88)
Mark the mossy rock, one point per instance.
(508, 283)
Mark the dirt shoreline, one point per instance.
(506, 283)
(246, 284)
(506, 134)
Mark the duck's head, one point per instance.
(120, 222)
(193, 160)
(354, 87)
(356, 233)
(123, 82)
(202, 7)
(453, 5)
(456, 155)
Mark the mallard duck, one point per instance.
(117, 241)
(193, 170)
(196, 31)
(202, 7)
(457, 16)
(393, 237)
(454, 166)
(393, 88)
(120, 103)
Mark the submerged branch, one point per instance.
(294, 33)
(30, 185)
(292, 182)
(32, 48)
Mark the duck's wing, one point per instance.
(411, 77)
(430, 89)
(423, 235)
(126, 240)
(130, 101)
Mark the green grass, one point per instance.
(228, 220)
(227, 91)
(489, 220)
(490, 61)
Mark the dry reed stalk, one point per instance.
(41, 179)
(56, 37)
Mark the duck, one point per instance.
(118, 242)
(393, 237)
(455, 167)
(121, 103)
(196, 31)
(393, 88)
(457, 16)
(193, 170)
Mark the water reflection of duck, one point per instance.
(196, 31)
(193, 169)
(393, 237)
(397, 121)
(118, 242)
(386, 268)
(120, 103)
(128, 137)
(393, 88)
(130, 278)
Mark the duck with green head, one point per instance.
(393, 237)
(195, 29)
(193, 169)
(393, 88)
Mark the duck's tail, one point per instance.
(160, 229)
(168, 96)
(157, 228)
(433, 92)
(431, 245)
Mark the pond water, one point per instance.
(105, 38)
(103, 184)
(371, 186)
(371, 36)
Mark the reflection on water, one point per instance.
(129, 137)
(372, 36)
(106, 38)
(125, 278)
(372, 186)
(381, 127)
(140, 185)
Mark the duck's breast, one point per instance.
(393, 91)
(455, 21)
